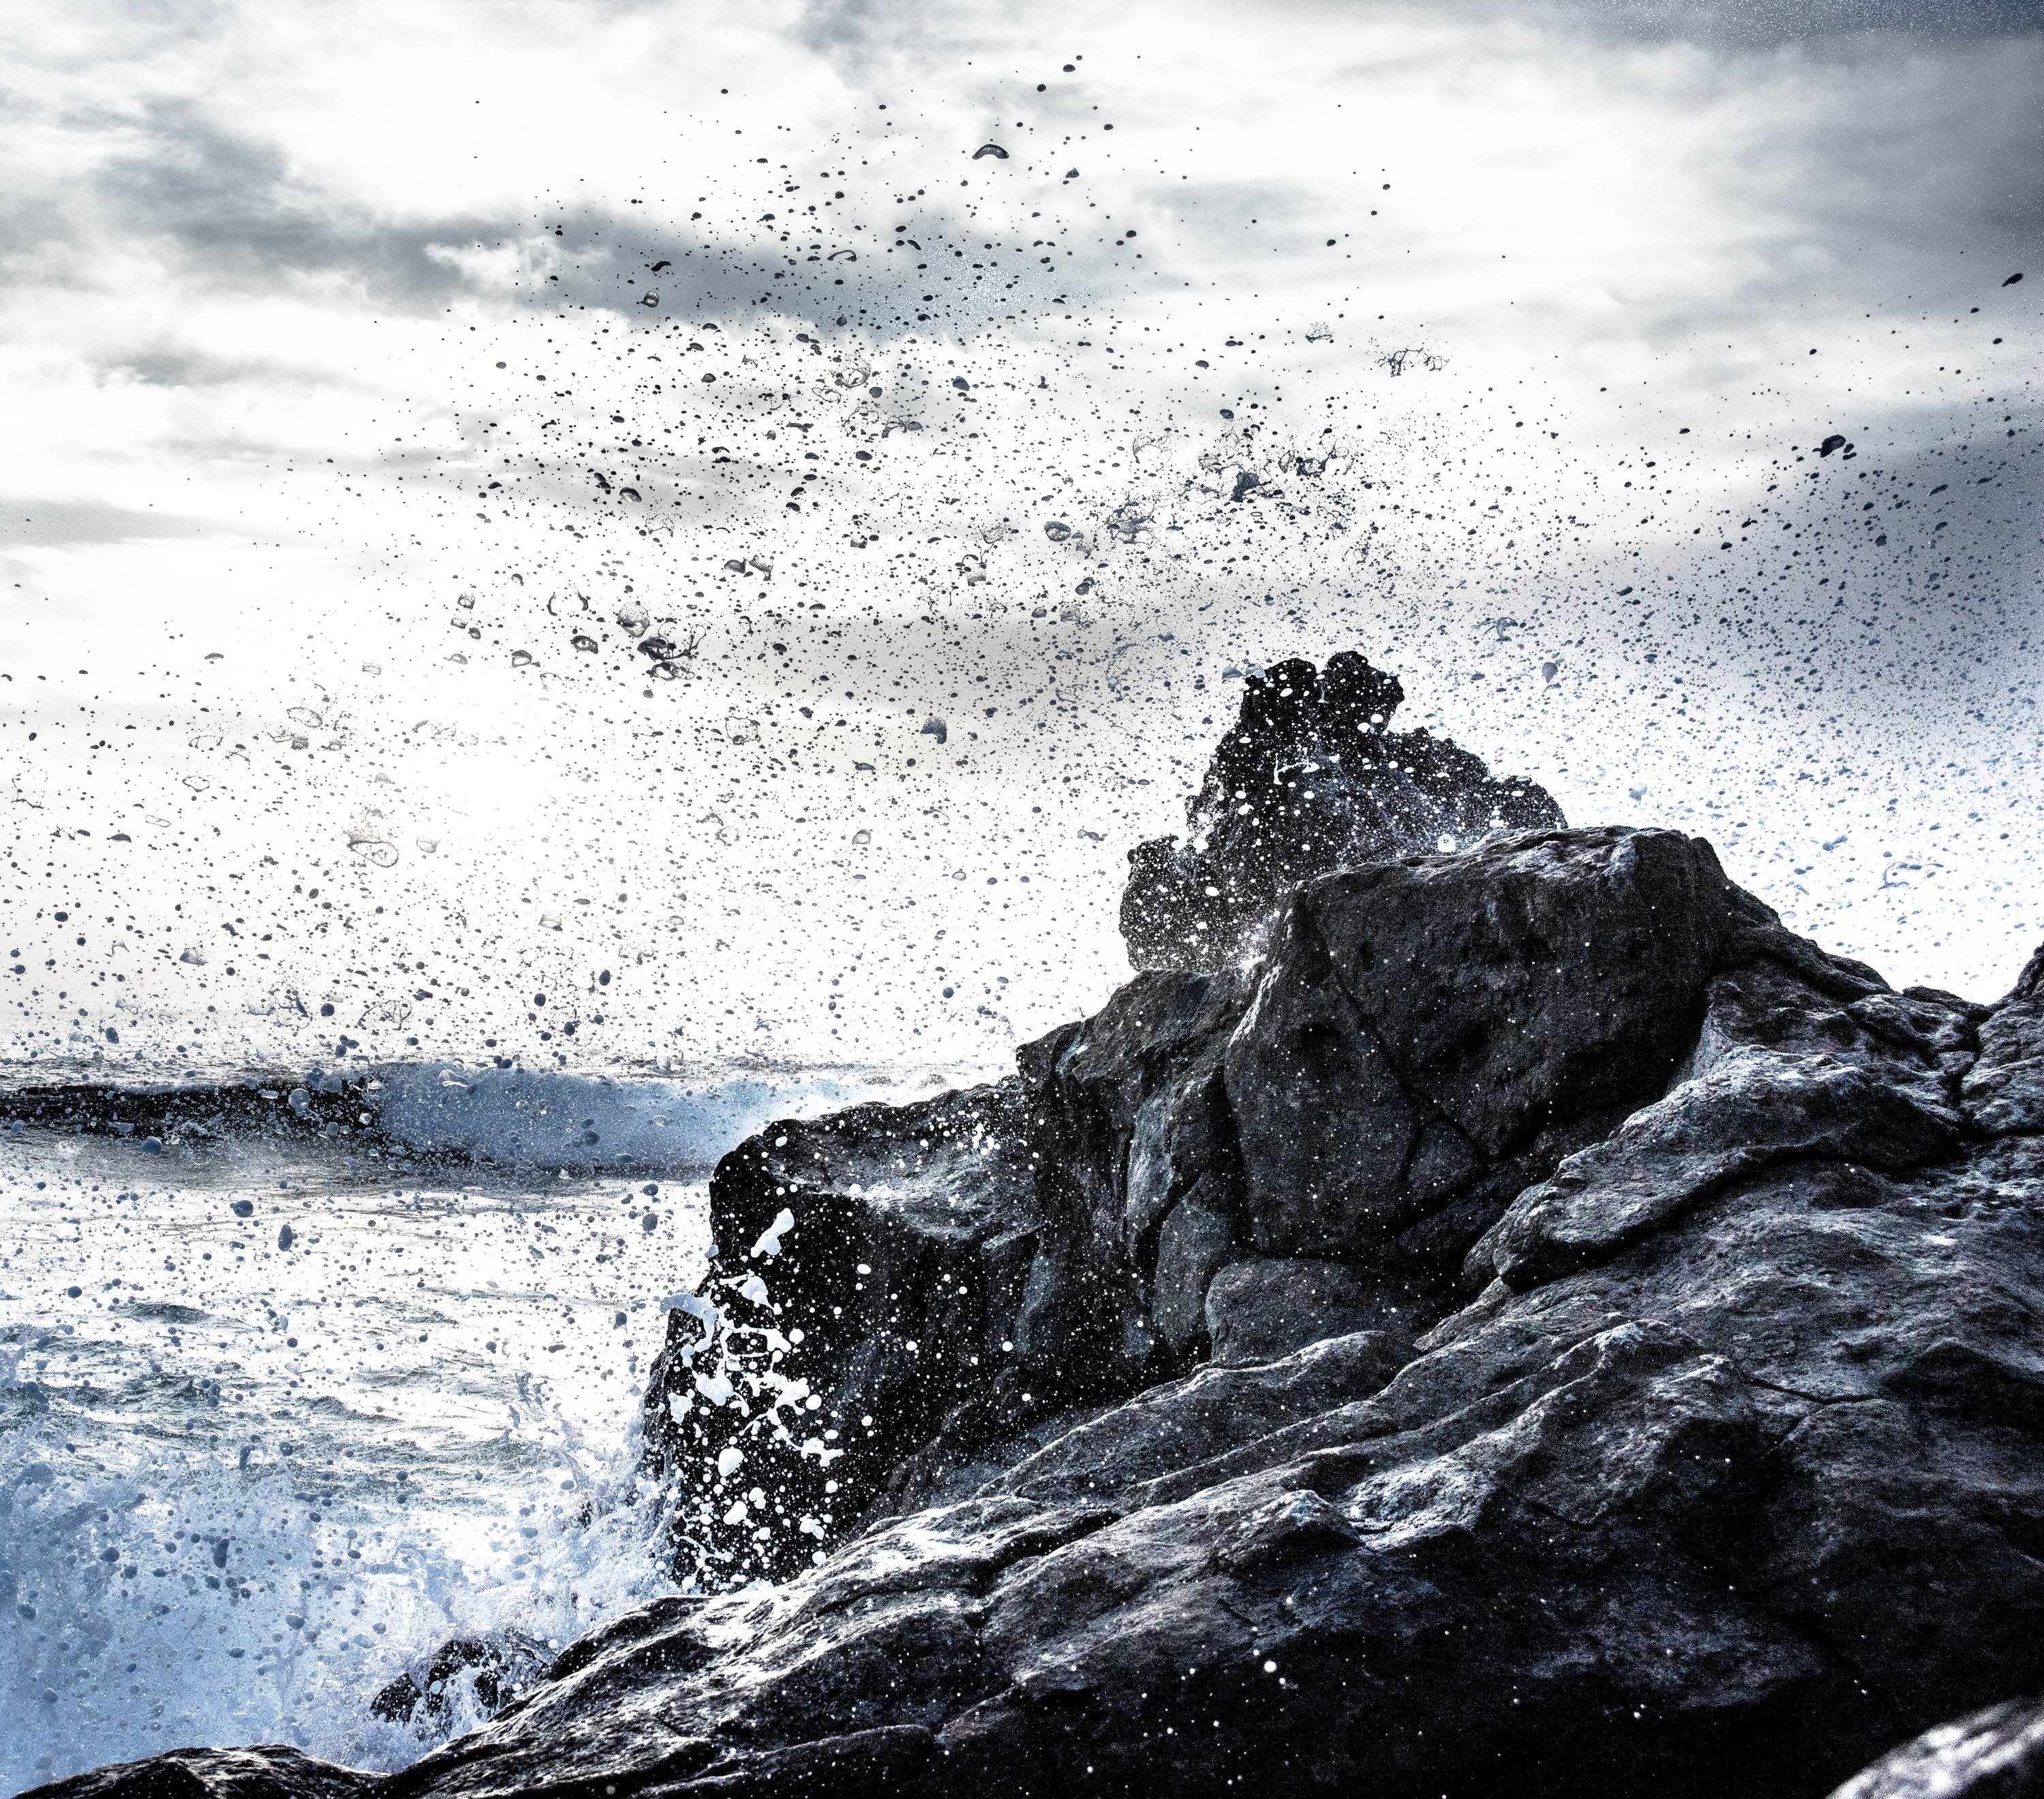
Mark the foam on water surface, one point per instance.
(276, 1420)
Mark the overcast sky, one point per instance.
(361, 359)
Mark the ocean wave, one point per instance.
(521, 1118)
(507, 1117)
(154, 1593)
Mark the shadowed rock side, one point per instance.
(1310, 781)
(1540, 1327)
(867, 1271)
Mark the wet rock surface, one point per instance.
(272, 1771)
(1311, 779)
(1996, 1754)
(869, 1323)
(487, 1672)
(1538, 1325)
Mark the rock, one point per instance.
(2004, 1090)
(484, 1674)
(1754, 1107)
(1415, 1020)
(1418, 1042)
(1310, 781)
(1722, 1515)
(1995, 1753)
(274, 1770)
(1196, 1242)
(1183, 1423)
(1260, 1310)
(822, 1351)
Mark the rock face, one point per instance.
(869, 1269)
(1421, 1040)
(1311, 779)
(488, 1671)
(1538, 1326)
(274, 1771)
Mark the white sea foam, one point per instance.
(157, 1595)
(280, 1414)
(243, 1485)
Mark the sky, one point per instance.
(658, 536)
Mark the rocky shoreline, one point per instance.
(1503, 1318)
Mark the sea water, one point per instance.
(279, 1414)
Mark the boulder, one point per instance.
(1415, 1023)
(1532, 1324)
(1417, 1044)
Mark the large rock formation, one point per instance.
(1537, 1326)
(1420, 1041)
(1311, 779)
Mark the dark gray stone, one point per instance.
(1754, 1107)
(272, 1770)
(1259, 1311)
(1197, 1240)
(1310, 781)
(904, 1266)
(2003, 1090)
(1721, 1472)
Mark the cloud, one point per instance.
(43, 523)
(228, 212)
(1766, 23)
(264, 267)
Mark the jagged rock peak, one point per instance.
(1311, 779)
